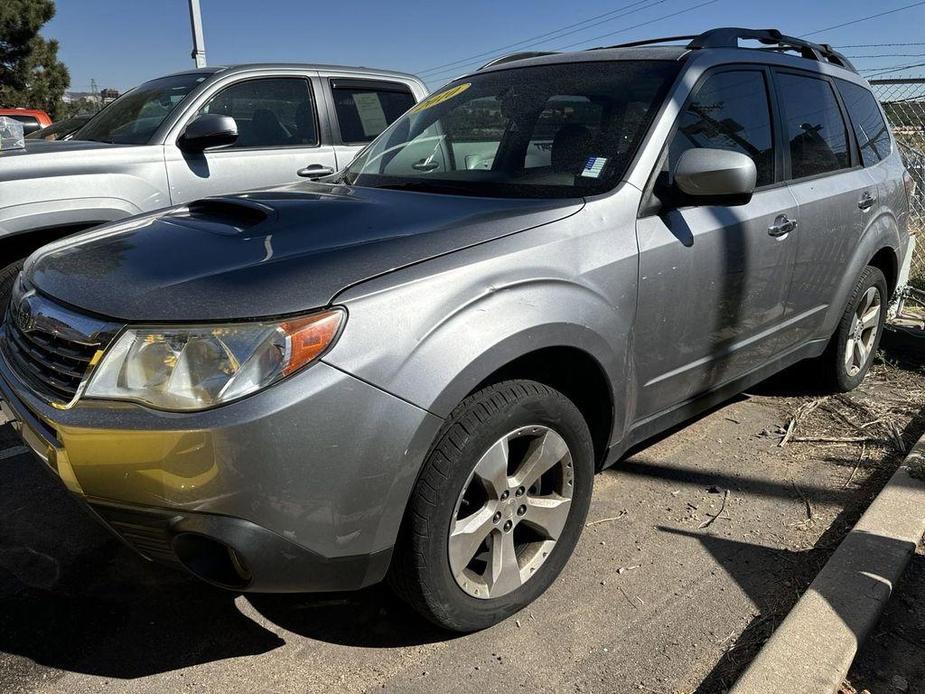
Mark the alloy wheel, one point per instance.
(511, 512)
(863, 333)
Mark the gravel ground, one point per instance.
(698, 544)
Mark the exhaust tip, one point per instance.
(212, 561)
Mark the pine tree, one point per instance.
(31, 75)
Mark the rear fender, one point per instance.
(882, 232)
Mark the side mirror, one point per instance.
(208, 130)
(716, 176)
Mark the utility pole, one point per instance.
(199, 44)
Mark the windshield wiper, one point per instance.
(431, 187)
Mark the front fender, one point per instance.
(449, 328)
(466, 348)
(436, 367)
(79, 184)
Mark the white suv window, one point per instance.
(270, 112)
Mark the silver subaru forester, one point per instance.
(413, 369)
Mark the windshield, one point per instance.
(59, 130)
(563, 130)
(134, 117)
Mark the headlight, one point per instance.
(197, 367)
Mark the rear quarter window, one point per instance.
(871, 130)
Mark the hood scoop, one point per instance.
(228, 216)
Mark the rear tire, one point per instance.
(8, 276)
(499, 506)
(854, 345)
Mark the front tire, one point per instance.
(8, 276)
(852, 348)
(498, 508)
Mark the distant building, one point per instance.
(108, 95)
(70, 97)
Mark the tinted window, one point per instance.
(541, 131)
(365, 111)
(813, 125)
(730, 111)
(275, 112)
(871, 130)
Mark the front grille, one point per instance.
(51, 348)
(146, 531)
(53, 366)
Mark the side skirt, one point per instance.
(690, 408)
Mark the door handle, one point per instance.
(427, 165)
(782, 226)
(866, 202)
(315, 171)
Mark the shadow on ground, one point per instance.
(773, 597)
(74, 598)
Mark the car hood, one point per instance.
(56, 147)
(268, 253)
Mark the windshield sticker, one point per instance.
(593, 167)
(441, 97)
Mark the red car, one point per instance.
(31, 119)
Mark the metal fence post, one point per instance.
(904, 103)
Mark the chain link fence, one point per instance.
(904, 103)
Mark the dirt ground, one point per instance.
(698, 544)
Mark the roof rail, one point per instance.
(522, 55)
(647, 42)
(728, 37)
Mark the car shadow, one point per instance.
(74, 598)
(370, 618)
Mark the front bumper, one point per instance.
(300, 487)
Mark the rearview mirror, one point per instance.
(208, 130)
(716, 175)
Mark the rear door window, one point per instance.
(731, 110)
(871, 130)
(367, 107)
(270, 113)
(813, 126)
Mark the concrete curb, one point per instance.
(812, 650)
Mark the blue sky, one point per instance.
(121, 43)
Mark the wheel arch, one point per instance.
(887, 261)
(878, 247)
(576, 374)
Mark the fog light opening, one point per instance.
(212, 561)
